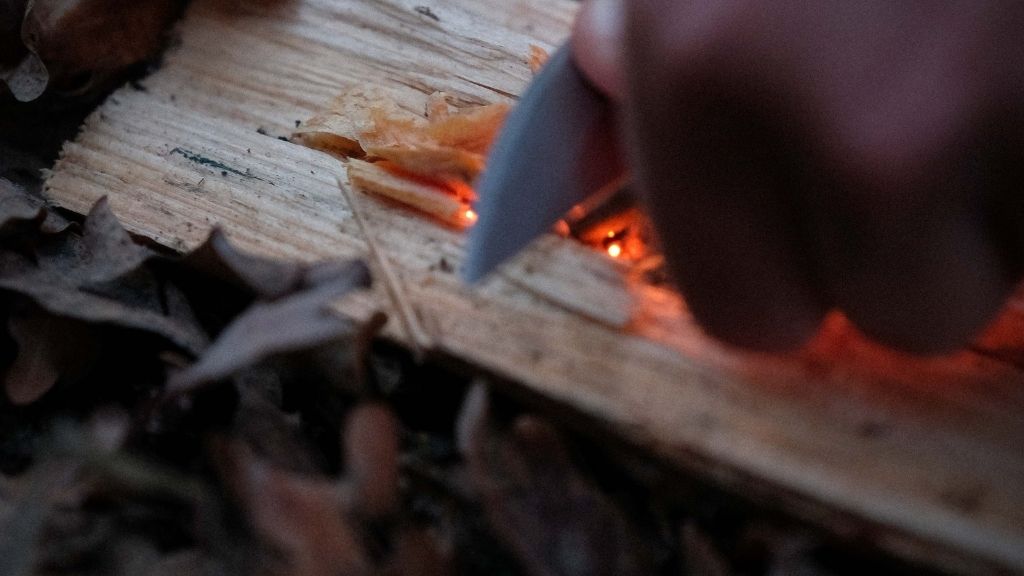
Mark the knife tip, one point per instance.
(480, 259)
(472, 273)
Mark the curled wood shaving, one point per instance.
(337, 129)
(469, 131)
(537, 59)
(441, 143)
(427, 161)
(426, 198)
(437, 106)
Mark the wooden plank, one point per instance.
(920, 456)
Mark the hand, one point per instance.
(803, 155)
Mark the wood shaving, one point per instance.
(441, 143)
(427, 198)
(445, 145)
(537, 59)
(437, 106)
(427, 161)
(337, 129)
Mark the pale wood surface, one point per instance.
(923, 457)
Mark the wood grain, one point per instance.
(922, 457)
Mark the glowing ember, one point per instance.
(430, 160)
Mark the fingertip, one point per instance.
(759, 323)
(947, 329)
(924, 279)
(792, 339)
(597, 45)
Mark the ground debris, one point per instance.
(24, 216)
(371, 456)
(212, 413)
(300, 518)
(301, 322)
(50, 347)
(222, 263)
(699, 554)
(98, 277)
(555, 520)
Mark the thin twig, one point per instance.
(418, 337)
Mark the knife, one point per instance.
(557, 147)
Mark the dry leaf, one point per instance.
(19, 212)
(24, 216)
(417, 552)
(12, 12)
(555, 521)
(48, 347)
(273, 435)
(302, 518)
(192, 562)
(371, 459)
(700, 557)
(32, 498)
(218, 281)
(98, 277)
(112, 252)
(83, 43)
(301, 321)
(27, 80)
(22, 72)
(219, 261)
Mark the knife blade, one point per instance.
(556, 148)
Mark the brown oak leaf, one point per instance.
(553, 518)
(303, 321)
(98, 277)
(302, 518)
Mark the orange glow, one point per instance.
(615, 250)
(469, 215)
(562, 228)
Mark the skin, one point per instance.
(803, 155)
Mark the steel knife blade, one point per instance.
(556, 148)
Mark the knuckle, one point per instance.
(901, 158)
(681, 36)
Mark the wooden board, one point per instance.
(922, 457)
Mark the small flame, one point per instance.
(469, 215)
(615, 249)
